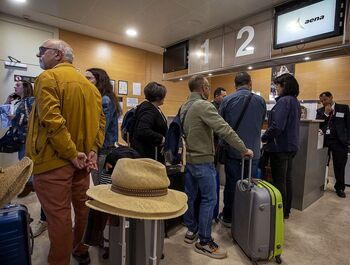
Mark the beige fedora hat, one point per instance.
(13, 179)
(139, 190)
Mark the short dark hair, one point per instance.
(196, 82)
(154, 91)
(289, 84)
(218, 91)
(326, 94)
(242, 78)
(27, 89)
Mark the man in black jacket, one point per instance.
(336, 128)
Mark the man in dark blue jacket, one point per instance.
(249, 130)
(336, 128)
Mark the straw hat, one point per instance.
(13, 179)
(139, 190)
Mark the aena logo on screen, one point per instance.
(308, 21)
(311, 20)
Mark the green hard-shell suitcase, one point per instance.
(257, 223)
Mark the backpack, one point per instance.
(128, 124)
(174, 146)
(112, 158)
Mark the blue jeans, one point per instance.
(233, 170)
(200, 177)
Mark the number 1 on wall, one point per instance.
(205, 47)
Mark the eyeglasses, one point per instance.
(43, 49)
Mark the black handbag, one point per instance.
(11, 141)
(221, 153)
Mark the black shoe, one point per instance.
(224, 221)
(82, 259)
(27, 189)
(286, 216)
(341, 193)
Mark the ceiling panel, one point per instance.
(62, 9)
(159, 22)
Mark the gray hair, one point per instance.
(196, 82)
(64, 47)
(66, 50)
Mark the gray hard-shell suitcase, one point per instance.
(257, 223)
(135, 241)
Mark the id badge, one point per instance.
(328, 131)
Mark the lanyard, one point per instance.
(330, 118)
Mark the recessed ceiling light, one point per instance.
(19, 1)
(180, 79)
(210, 74)
(131, 32)
(307, 58)
(250, 67)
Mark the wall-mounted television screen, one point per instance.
(300, 22)
(175, 57)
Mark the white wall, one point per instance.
(21, 40)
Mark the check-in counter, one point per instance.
(309, 166)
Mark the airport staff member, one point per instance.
(336, 129)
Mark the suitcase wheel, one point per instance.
(278, 259)
(106, 254)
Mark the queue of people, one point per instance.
(74, 123)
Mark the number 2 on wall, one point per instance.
(242, 50)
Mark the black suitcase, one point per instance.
(16, 242)
(177, 182)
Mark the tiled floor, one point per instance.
(320, 235)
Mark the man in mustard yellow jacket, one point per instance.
(66, 129)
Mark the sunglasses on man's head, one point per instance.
(43, 49)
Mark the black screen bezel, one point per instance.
(184, 46)
(289, 7)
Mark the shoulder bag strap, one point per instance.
(26, 108)
(185, 114)
(246, 103)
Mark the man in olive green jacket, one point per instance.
(200, 120)
(66, 129)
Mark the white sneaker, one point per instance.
(190, 237)
(39, 227)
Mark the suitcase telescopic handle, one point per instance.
(249, 170)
